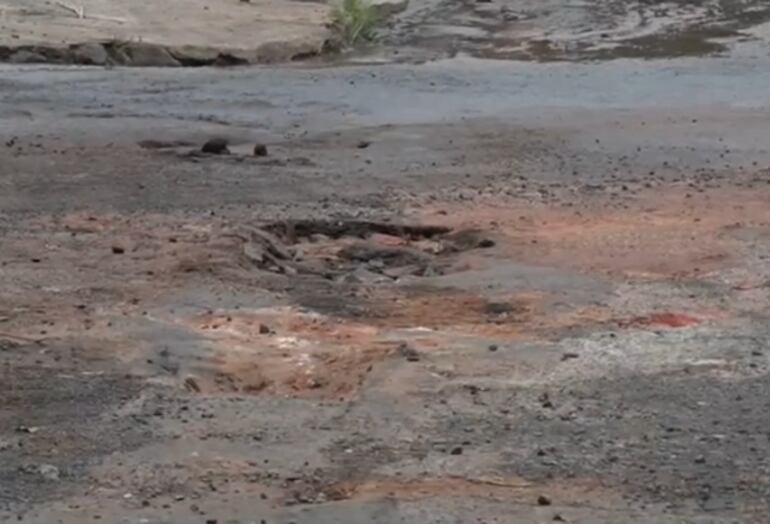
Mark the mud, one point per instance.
(534, 308)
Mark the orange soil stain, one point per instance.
(662, 234)
(667, 319)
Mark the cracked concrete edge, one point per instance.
(148, 54)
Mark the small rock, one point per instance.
(409, 353)
(260, 150)
(456, 451)
(493, 347)
(497, 308)
(148, 55)
(569, 356)
(211, 521)
(192, 385)
(26, 57)
(542, 500)
(558, 518)
(49, 472)
(27, 429)
(216, 146)
(508, 15)
(545, 401)
(264, 329)
(117, 250)
(486, 243)
(363, 144)
(700, 459)
(91, 53)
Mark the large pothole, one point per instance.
(368, 251)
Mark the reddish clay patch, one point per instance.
(450, 309)
(662, 234)
(668, 319)
(494, 487)
(287, 352)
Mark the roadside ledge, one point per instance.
(158, 55)
(168, 33)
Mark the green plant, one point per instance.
(355, 21)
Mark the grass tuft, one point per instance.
(355, 21)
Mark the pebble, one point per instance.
(192, 385)
(545, 401)
(409, 353)
(49, 472)
(542, 500)
(216, 146)
(486, 243)
(260, 150)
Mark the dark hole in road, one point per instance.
(292, 231)
(335, 248)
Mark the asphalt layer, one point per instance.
(580, 334)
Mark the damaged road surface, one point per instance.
(462, 292)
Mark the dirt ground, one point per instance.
(463, 291)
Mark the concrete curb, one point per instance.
(170, 33)
(84, 48)
(143, 54)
